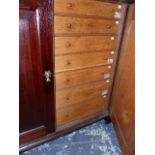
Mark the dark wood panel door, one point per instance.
(123, 106)
(36, 92)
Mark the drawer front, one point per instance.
(65, 25)
(77, 61)
(89, 8)
(80, 110)
(64, 45)
(77, 77)
(74, 95)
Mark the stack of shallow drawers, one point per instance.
(87, 35)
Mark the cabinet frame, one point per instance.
(69, 127)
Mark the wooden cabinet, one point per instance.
(68, 55)
(122, 105)
(36, 113)
(87, 38)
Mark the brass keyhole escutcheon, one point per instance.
(48, 75)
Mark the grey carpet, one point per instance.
(96, 139)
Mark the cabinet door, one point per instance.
(122, 105)
(36, 92)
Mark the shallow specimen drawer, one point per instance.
(82, 60)
(64, 24)
(77, 77)
(89, 8)
(64, 45)
(74, 95)
(77, 111)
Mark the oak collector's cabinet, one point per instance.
(68, 55)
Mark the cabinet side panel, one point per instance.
(123, 106)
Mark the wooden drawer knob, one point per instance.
(67, 80)
(68, 44)
(68, 62)
(69, 5)
(67, 98)
(67, 115)
(97, 105)
(108, 26)
(69, 26)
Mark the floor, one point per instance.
(96, 139)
